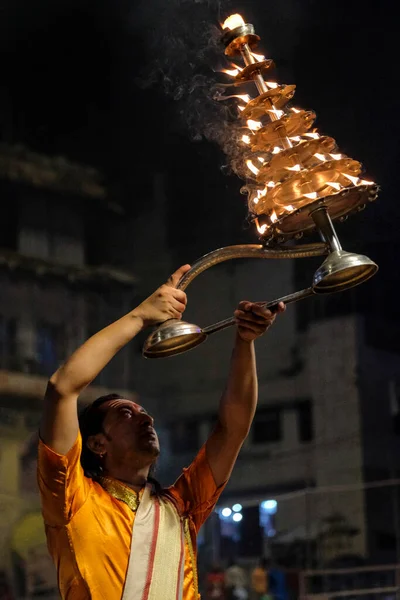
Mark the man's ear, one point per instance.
(96, 444)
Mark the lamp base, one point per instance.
(342, 270)
(173, 337)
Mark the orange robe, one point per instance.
(89, 531)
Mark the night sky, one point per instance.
(87, 80)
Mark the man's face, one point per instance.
(129, 430)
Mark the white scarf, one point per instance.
(157, 557)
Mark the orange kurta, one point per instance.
(89, 531)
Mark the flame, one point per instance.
(320, 156)
(258, 57)
(272, 84)
(354, 180)
(273, 216)
(334, 184)
(312, 195)
(252, 167)
(233, 21)
(295, 168)
(260, 194)
(254, 124)
(295, 110)
(232, 72)
(261, 228)
(276, 150)
(246, 139)
(336, 156)
(261, 159)
(365, 182)
(278, 113)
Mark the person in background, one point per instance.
(277, 582)
(215, 583)
(236, 582)
(259, 581)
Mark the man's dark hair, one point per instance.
(90, 423)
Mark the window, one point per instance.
(50, 230)
(98, 242)
(305, 426)
(385, 541)
(8, 338)
(185, 436)
(50, 347)
(268, 510)
(267, 426)
(394, 403)
(9, 223)
(251, 533)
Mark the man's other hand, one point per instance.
(253, 320)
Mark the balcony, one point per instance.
(47, 310)
(17, 263)
(18, 163)
(24, 385)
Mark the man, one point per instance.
(215, 583)
(259, 581)
(112, 532)
(236, 581)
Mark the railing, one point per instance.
(34, 386)
(371, 582)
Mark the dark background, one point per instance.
(98, 83)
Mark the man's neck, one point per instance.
(135, 479)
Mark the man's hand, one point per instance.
(165, 303)
(253, 320)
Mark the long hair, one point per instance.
(90, 423)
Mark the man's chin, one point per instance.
(152, 449)
(156, 451)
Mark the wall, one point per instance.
(50, 229)
(379, 383)
(332, 350)
(205, 368)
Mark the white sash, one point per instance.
(156, 561)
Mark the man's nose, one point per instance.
(146, 419)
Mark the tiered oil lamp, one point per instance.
(297, 181)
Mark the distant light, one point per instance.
(237, 507)
(271, 533)
(269, 506)
(226, 512)
(237, 517)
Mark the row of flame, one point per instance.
(253, 126)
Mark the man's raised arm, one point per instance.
(59, 425)
(239, 401)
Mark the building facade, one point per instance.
(53, 296)
(304, 488)
(322, 458)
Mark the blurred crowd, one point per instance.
(265, 581)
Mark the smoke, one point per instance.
(185, 55)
